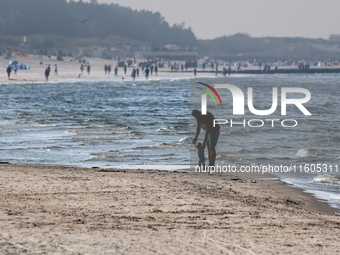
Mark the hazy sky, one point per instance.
(213, 18)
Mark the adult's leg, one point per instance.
(212, 155)
(212, 141)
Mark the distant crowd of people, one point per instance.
(148, 68)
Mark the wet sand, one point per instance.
(66, 210)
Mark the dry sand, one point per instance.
(63, 210)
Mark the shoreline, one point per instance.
(68, 209)
(279, 186)
(68, 69)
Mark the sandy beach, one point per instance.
(71, 70)
(64, 210)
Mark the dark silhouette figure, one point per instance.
(9, 70)
(47, 72)
(206, 122)
(147, 73)
(133, 75)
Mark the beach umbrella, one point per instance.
(13, 62)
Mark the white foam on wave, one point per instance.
(184, 139)
(335, 196)
(165, 129)
(327, 178)
(71, 132)
(303, 153)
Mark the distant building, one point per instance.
(24, 48)
(334, 37)
(93, 52)
(94, 2)
(170, 51)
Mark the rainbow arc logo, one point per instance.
(209, 93)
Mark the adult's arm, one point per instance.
(198, 130)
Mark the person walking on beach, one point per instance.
(105, 68)
(9, 70)
(156, 69)
(116, 70)
(137, 71)
(133, 75)
(88, 69)
(151, 69)
(195, 72)
(147, 73)
(109, 69)
(224, 71)
(229, 71)
(81, 68)
(125, 69)
(15, 69)
(55, 70)
(206, 122)
(47, 72)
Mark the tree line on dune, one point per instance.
(84, 20)
(58, 24)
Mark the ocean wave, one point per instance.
(327, 178)
(303, 153)
(104, 156)
(185, 139)
(166, 129)
(164, 145)
(71, 132)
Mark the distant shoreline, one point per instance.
(69, 69)
(279, 71)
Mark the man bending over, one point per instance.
(206, 122)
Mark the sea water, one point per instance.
(145, 124)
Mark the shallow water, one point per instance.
(95, 123)
(310, 146)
